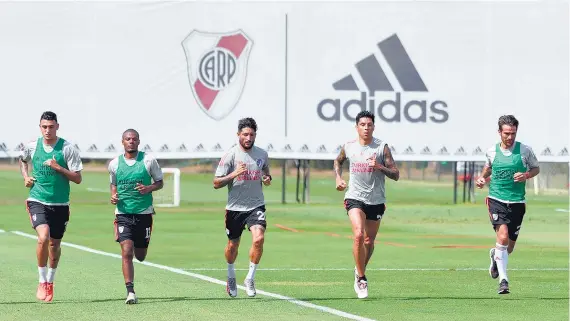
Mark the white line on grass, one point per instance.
(212, 280)
(2, 231)
(377, 269)
(562, 210)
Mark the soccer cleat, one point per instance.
(504, 287)
(231, 287)
(131, 298)
(249, 287)
(361, 289)
(49, 292)
(42, 289)
(493, 270)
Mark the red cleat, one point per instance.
(49, 292)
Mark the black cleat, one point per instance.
(493, 270)
(504, 287)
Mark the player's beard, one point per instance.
(245, 147)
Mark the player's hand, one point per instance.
(114, 199)
(29, 181)
(143, 189)
(372, 162)
(480, 182)
(52, 163)
(266, 180)
(240, 169)
(520, 177)
(340, 184)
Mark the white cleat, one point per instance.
(131, 298)
(249, 287)
(231, 287)
(361, 289)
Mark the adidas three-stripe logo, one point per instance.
(402, 94)
(373, 75)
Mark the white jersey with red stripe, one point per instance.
(365, 183)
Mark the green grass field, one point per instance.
(430, 262)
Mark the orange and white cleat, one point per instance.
(42, 291)
(49, 292)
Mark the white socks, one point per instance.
(231, 271)
(51, 275)
(43, 274)
(251, 272)
(502, 258)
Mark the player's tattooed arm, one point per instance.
(390, 169)
(221, 181)
(340, 159)
(266, 176)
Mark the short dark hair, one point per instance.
(130, 130)
(509, 120)
(364, 114)
(247, 123)
(49, 115)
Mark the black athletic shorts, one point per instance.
(134, 227)
(237, 220)
(504, 213)
(373, 212)
(55, 216)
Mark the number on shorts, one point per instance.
(261, 215)
(147, 233)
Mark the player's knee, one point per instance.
(54, 242)
(258, 240)
(369, 241)
(503, 236)
(127, 255)
(359, 236)
(43, 239)
(140, 256)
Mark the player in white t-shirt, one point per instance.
(244, 168)
(365, 201)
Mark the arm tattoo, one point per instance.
(389, 169)
(220, 182)
(339, 161)
(265, 170)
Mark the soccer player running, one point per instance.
(134, 176)
(509, 164)
(244, 168)
(55, 163)
(370, 162)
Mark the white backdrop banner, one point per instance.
(437, 75)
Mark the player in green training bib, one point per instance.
(509, 164)
(55, 163)
(134, 176)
